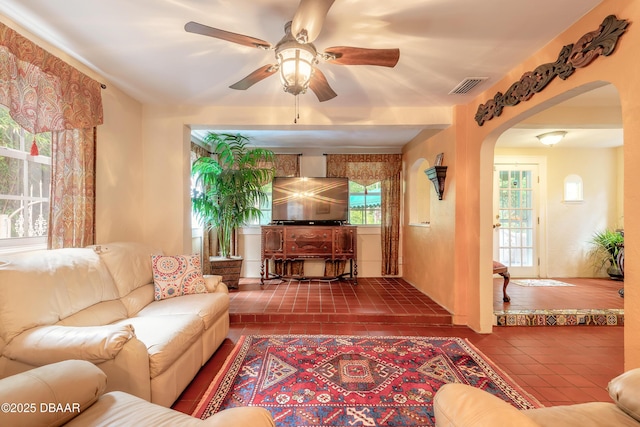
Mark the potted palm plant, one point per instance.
(230, 193)
(606, 247)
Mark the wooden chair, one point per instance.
(501, 269)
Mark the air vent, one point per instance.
(467, 84)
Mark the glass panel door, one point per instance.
(516, 225)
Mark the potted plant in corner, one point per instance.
(230, 195)
(606, 247)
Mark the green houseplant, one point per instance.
(606, 246)
(230, 186)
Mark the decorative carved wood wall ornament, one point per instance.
(582, 53)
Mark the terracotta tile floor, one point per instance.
(587, 293)
(387, 300)
(558, 365)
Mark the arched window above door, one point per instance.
(572, 189)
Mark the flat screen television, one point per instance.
(310, 200)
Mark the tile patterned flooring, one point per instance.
(558, 365)
(587, 294)
(375, 300)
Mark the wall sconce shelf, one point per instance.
(437, 175)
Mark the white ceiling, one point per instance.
(141, 47)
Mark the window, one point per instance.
(265, 208)
(24, 184)
(195, 187)
(365, 204)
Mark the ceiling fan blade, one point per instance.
(308, 19)
(194, 27)
(320, 86)
(253, 78)
(345, 55)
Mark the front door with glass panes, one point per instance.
(516, 218)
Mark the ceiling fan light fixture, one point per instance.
(296, 67)
(551, 138)
(295, 62)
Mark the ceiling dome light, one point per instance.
(551, 138)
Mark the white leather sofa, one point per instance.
(97, 304)
(461, 405)
(71, 393)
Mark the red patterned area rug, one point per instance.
(334, 380)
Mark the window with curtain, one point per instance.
(46, 95)
(24, 185)
(367, 169)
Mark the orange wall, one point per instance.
(430, 267)
(472, 163)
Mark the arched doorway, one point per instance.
(555, 225)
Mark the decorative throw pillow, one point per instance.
(193, 282)
(177, 275)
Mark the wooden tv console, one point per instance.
(300, 242)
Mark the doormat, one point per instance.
(540, 282)
(335, 380)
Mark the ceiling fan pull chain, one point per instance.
(296, 107)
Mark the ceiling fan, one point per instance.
(296, 56)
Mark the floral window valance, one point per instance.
(44, 93)
(199, 150)
(287, 165)
(365, 169)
